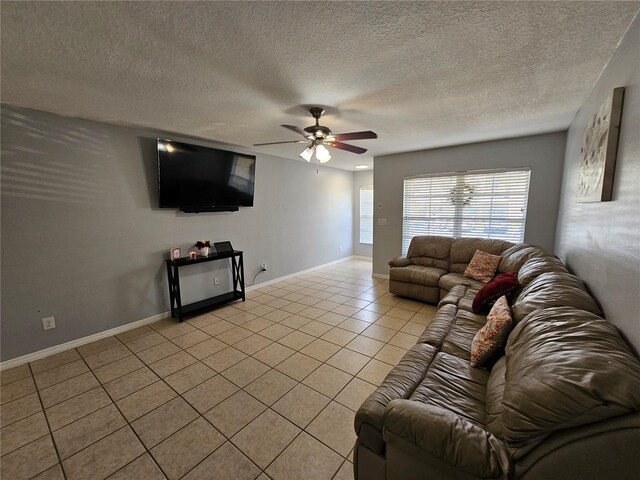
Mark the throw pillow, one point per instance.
(483, 266)
(503, 284)
(492, 338)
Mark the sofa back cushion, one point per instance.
(536, 266)
(553, 289)
(514, 257)
(430, 251)
(565, 368)
(463, 249)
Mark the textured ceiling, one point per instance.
(420, 74)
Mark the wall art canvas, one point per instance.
(599, 151)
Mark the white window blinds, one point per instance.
(487, 204)
(366, 214)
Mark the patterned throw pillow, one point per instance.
(483, 266)
(503, 284)
(492, 338)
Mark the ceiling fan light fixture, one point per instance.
(307, 153)
(322, 154)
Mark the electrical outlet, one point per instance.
(263, 267)
(48, 323)
(216, 280)
(340, 248)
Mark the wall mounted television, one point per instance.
(196, 179)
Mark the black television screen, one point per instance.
(200, 178)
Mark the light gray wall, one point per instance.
(83, 239)
(600, 242)
(543, 153)
(360, 179)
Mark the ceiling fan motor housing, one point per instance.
(317, 130)
(318, 136)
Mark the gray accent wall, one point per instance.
(543, 153)
(83, 239)
(359, 179)
(600, 242)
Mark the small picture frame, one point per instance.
(176, 253)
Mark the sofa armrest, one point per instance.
(436, 432)
(399, 262)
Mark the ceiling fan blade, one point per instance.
(277, 143)
(296, 129)
(355, 135)
(347, 147)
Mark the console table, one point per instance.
(173, 274)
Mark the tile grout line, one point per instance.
(371, 290)
(46, 418)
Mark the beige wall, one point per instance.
(83, 238)
(543, 153)
(600, 241)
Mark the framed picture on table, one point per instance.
(176, 253)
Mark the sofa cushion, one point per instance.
(514, 257)
(399, 262)
(423, 436)
(565, 368)
(451, 383)
(536, 266)
(401, 382)
(503, 284)
(464, 327)
(483, 266)
(553, 289)
(493, 400)
(463, 249)
(450, 280)
(492, 337)
(438, 328)
(428, 276)
(453, 296)
(430, 251)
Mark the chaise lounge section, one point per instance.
(561, 402)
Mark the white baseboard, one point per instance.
(380, 275)
(361, 257)
(291, 275)
(32, 357)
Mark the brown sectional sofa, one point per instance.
(563, 402)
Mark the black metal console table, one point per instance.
(173, 268)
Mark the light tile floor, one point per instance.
(263, 389)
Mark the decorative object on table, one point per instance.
(223, 247)
(203, 246)
(599, 151)
(176, 253)
(192, 254)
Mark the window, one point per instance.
(487, 204)
(366, 214)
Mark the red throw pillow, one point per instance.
(503, 284)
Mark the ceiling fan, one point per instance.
(320, 137)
